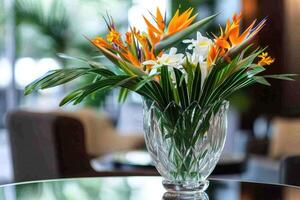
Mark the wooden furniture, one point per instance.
(47, 146)
(144, 188)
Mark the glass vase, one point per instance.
(185, 143)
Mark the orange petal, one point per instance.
(171, 26)
(221, 42)
(186, 23)
(160, 20)
(151, 27)
(153, 37)
(234, 36)
(236, 18)
(181, 21)
(228, 25)
(100, 42)
(128, 55)
(246, 32)
(184, 16)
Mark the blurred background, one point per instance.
(263, 121)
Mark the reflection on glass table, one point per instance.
(139, 188)
(228, 163)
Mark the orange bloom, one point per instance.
(265, 59)
(131, 58)
(232, 37)
(115, 37)
(159, 31)
(100, 42)
(134, 50)
(180, 21)
(212, 55)
(128, 37)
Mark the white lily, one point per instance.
(204, 71)
(200, 46)
(172, 59)
(192, 58)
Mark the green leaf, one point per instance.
(127, 67)
(143, 82)
(226, 88)
(158, 91)
(61, 76)
(102, 72)
(78, 95)
(261, 80)
(256, 69)
(196, 85)
(177, 37)
(131, 69)
(247, 61)
(166, 83)
(67, 57)
(189, 68)
(181, 88)
(123, 95)
(54, 78)
(287, 77)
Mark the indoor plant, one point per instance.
(184, 93)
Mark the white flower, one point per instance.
(200, 46)
(204, 71)
(172, 60)
(191, 58)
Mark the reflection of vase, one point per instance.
(184, 196)
(185, 143)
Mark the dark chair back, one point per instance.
(290, 170)
(32, 145)
(73, 161)
(46, 146)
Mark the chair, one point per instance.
(289, 170)
(285, 139)
(47, 146)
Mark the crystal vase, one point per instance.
(185, 143)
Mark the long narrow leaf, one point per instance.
(181, 88)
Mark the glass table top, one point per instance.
(139, 188)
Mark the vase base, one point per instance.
(185, 188)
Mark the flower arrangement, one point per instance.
(185, 92)
(209, 70)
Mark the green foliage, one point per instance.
(53, 21)
(223, 80)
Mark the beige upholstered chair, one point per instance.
(100, 135)
(285, 140)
